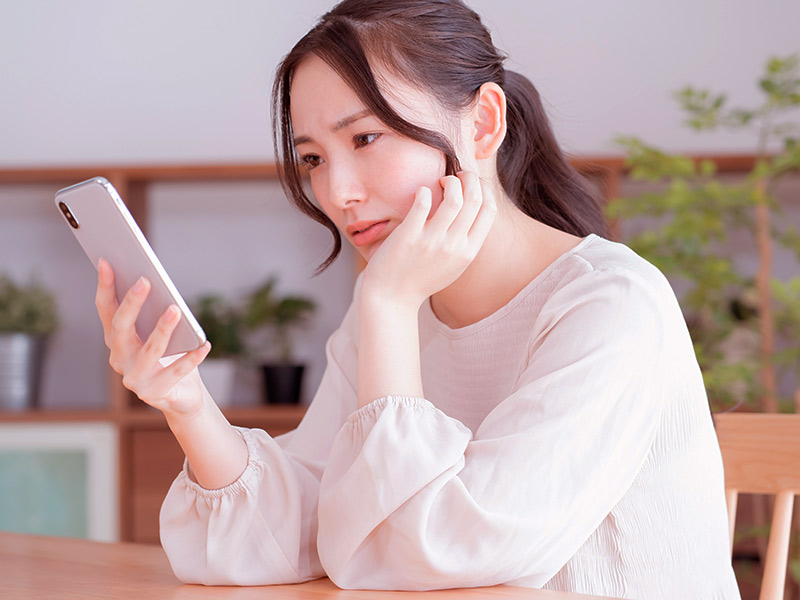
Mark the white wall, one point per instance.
(92, 81)
(187, 80)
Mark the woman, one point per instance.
(511, 398)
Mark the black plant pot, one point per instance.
(283, 383)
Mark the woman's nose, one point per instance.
(345, 186)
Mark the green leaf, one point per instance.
(266, 310)
(739, 117)
(781, 81)
(702, 107)
(222, 324)
(649, 163)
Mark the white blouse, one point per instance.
(564, 442)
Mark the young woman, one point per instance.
(511, 397)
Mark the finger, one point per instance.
(473, 199)
(157, 341)
(452, 202)
(106, 297)
(124, 319)
(418, 215)
(485, 217)
(172, 374)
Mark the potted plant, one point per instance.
(222, 323)
(28, 315)
(271, 319)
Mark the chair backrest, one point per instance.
(761, 455)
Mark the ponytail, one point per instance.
(536, 174)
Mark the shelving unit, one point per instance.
(149, 457)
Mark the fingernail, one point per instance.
(172, 313)
(139, 285)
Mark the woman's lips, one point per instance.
(370, 233)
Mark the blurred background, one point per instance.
(92, 83)
(96, 83)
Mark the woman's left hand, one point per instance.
(424, 255)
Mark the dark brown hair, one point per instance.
(442, 47)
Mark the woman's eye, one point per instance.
(311, 160)
(365, 139)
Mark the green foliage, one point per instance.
(781, 82)
(266, 309)
(787, 321)
(693, 215)
(26, 308)
(223, 325)
(260, 323)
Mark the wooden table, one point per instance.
(48, 568)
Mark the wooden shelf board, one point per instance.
(726, 163)
(44, 415)
(145, 173)
(269, 171)
(146, 416)
(273, 414)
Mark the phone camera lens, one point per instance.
(68, 214)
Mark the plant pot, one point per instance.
(218, 375)
(21, 358)
(283, 383)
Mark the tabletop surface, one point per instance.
(37, 567)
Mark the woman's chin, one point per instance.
(367, 252)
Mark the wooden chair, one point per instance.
(761, 455)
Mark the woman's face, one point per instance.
(364, 174)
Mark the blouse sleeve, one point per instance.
(262, 528)
(410, 499)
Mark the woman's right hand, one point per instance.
(430, 249)
(176, 388)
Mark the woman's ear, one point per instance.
(489, 120)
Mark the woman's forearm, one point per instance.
(388, 350)
(217, 453)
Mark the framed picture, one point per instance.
(59, 479)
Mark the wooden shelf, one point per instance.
(270, 413)
(144, 173)
(276, 415)
(736, 163)
(149, 456)
(43, 416)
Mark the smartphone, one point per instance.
(105, 228)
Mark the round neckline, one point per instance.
(429, 315)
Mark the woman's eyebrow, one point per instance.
(340, 124)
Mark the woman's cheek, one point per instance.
(413, 187)
(422, 166)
